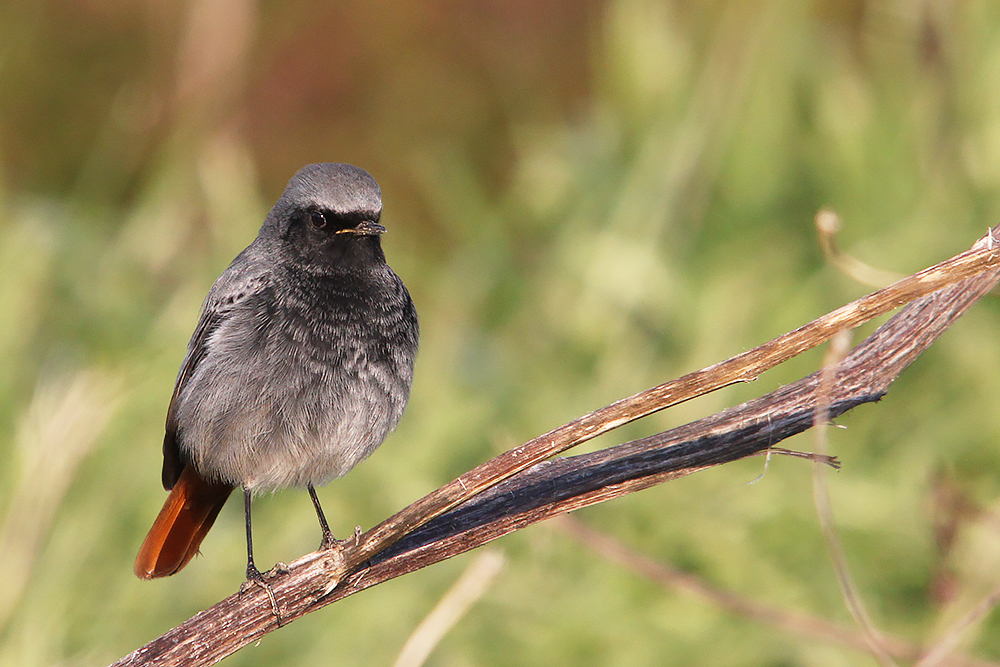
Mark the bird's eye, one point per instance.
(317, 219)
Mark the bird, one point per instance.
(299, 367)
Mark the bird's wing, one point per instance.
(242, 280)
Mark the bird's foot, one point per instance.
(329, 541)
(255, 578)
(335, 560)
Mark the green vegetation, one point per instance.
(585, 199)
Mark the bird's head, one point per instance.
(329, 216)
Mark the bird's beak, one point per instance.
(365, 228)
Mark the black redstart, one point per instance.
(299, 367)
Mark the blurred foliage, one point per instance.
(585, 199)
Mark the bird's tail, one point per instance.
(182, 524)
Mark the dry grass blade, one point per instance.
(804, 626)
(64, 419)
(471, 586)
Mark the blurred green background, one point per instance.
(585, 198)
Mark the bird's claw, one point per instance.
(255, 578)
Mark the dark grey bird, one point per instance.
(300, 364)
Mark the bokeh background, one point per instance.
(585, 198)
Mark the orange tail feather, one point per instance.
(181, 525)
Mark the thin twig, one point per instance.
(828, 226)
(940, 651)
(825, 459)
(821, 497)
(798, 624)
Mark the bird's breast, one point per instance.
(298, 390)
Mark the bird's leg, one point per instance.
(328, 539)
(253, 574)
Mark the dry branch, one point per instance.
(521, 486)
